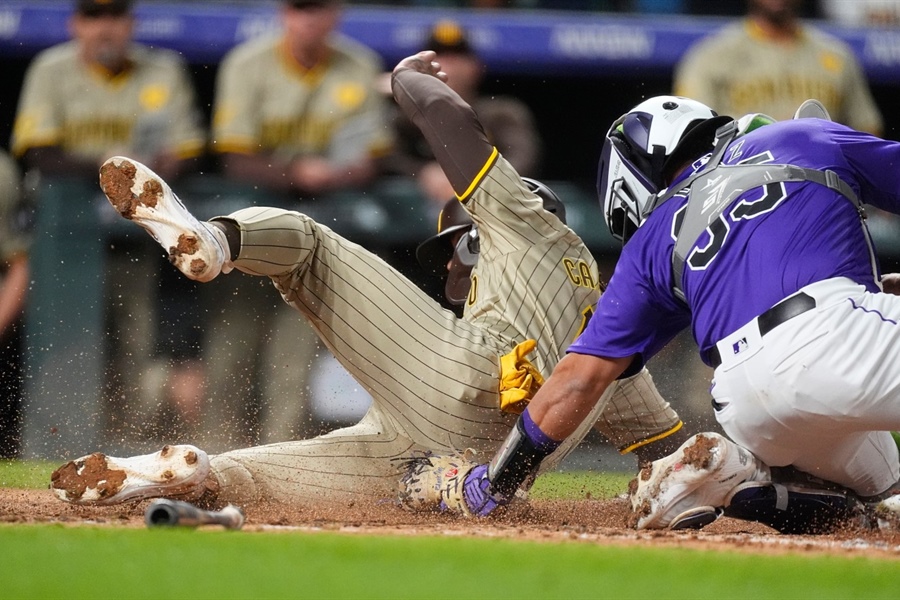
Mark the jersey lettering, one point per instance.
(579, 272)
(473, 291)
(109, 131)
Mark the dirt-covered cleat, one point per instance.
(199, 250)
(173, 472)
(699, 475)
(887, 513)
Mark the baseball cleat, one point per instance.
(199, 250)
(690, 485)
(97, 479)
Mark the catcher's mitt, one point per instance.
(432, 482)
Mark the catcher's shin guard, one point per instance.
(793, 509)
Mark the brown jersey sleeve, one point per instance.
(448, 123)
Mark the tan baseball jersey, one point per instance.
(435, 379)
(87, 111)
(267, 102)
(739, 71)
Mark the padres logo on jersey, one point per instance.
(154, 97)
(350, 95)
(831, 62)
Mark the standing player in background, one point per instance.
(756, 238)
(296, 113)
(101, 93)
(770, 63)
(437, 381)
(95, 96)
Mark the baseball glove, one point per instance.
(433, 482)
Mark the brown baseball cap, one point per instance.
(449, 37)
(96, 8)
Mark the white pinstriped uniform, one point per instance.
(434, 378)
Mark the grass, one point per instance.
(54, 561)
(575, 485)
(26, 474)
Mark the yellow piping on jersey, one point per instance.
(475, 182)
(652, 439)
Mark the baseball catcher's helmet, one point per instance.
(438, 251)
(642, 151)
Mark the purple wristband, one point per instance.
(541, 440)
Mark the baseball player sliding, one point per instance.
(752, 232)
(436, 381)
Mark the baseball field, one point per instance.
(570, 541)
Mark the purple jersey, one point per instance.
(770, 242)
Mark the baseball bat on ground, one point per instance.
(183, 514)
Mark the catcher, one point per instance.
(755, 236)
(527, 282)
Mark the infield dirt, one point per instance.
(588, 520)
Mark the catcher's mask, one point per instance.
(454, 250)
(642, 152)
